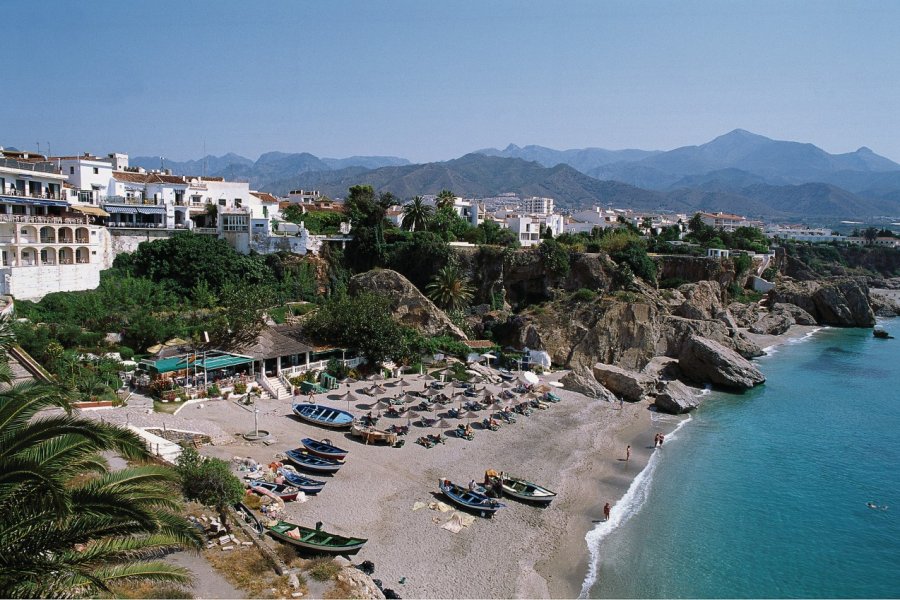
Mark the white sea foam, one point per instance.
(627, 506)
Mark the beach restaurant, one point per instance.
(198, 369)
(283, 350)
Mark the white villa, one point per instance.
(47, 244)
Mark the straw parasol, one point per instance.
(409, 399)
(470, 415)
(410, 415)
(377, 389)
(426, 377)
(444, 424)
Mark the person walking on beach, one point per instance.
(606, 510)
(627, 453)
(661, 439)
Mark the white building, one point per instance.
(46, 244)
(304, 196)
(528, 229)
(537, 206)
(724, 221)
(802, 233)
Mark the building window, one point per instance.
(237, 202)
(222, 201)
(96, 171)
(234, 223)
(71, 170)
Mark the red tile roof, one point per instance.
(265, 196)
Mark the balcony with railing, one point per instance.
(65, 218)
(132, 200)
(43, 195)
(37, 167)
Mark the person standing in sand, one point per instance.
(627, 453)
(606, 510)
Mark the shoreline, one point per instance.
(576, 576)
(575, 447)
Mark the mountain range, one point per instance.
(738, 172)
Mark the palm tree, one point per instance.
(416, 215)
(445, 199)
(68, 525)
(870, 234)
(449, 289)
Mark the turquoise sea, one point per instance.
(765, 494)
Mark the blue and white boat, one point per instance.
(324, 448)
(475, 501)
(311, 462)
(326, 416)
(302, 482)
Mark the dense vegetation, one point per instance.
(177, 287)
(69, 526)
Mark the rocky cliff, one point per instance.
(409, 306)
(839, 301)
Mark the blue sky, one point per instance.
(432, 81)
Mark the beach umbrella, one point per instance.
(444, 424)
(426, 377)
(470, 415)
(377, 389)
(409, 399)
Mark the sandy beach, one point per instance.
(576, 448)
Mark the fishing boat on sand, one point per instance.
(324, 448)
(311, 462)
(526, 491)
(247, 515)
(303, 483)
(475, 501)
(325, 416)
(315, 540)
(287, 493)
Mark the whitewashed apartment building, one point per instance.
(47, 243)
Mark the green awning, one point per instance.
(219, 360)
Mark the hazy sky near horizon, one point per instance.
(434, 80)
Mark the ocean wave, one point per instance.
(627, 506)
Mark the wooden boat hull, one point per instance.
(306, 485)
(311, 462)
(272, 488)
(474, 501)
(316, 541)
(247, 515)
(324, 416)
(526, 491)
(323, 449)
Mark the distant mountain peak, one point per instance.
(511, 148)
(864, 150)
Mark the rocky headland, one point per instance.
(639, 343)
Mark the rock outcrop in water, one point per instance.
(841, 301)
(675, 398)
(408, 305)
(702, 360)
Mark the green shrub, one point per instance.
(126, 353)
(584, 295)
(323, 569)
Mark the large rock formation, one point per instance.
(744, 315)
(676, 398)
(628, 385)
(408, 305)
(774, 322)
(884, 304)
(704, 360)
(842, 301)
(702, 300)
(583, 382)
(578, 334)
(678, 331)
(800, 316)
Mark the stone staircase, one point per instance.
(281, 391)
